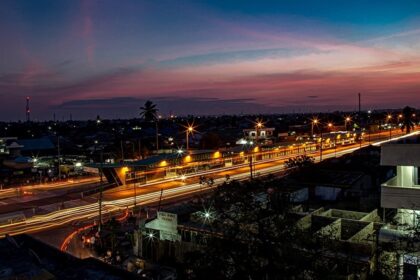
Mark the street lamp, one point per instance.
(313, 123)
(346, 121)
(329, 125)
(258, 125)
(389, 118)
(189, 130)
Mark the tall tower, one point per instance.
(28, 111)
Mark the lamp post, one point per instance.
(313, 123)
(389, 118)
(100, 192)
(189, 130)
(346, 121)
(258, 125)
(329, 125)
(135, 196)
(320, 147)
(400, 116)
(58, 157)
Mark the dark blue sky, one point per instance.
(83, 57)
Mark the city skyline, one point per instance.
(211, 57)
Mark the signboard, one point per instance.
(167, 221)
(167, 225)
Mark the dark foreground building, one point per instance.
(23, 257)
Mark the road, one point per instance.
(120, 199)
(55, 186)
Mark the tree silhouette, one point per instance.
(408, 116)
(149, 114)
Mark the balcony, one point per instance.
(394, 195)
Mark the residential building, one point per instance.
(402, 192)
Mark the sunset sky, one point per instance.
(206, 57)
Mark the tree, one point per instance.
(247, 238)
(408, 116)
(149, 114)
(210, 140)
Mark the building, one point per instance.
(28, 258)
(9, 147)
(400, 200)
(402, 192)
(262, 134)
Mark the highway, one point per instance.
(120, 199)
(62, 185)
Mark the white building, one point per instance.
(263, 133)
(402, 192)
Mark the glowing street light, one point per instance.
(313, 123)
(258, 125)
(389, 118)
(346, 121)
(208, 215)
(189, 129)
(330, 125)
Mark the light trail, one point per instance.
(18, 191)
(90, 211)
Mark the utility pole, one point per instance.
(186, 138)
(335, 146)
(140, 156)
(250, 167)
(135, 196)
(157, 136)
(100, 192)
(360, 119)
(160, 199)
(320, 148)
(122, 150)
(28, 111)
(59, 161)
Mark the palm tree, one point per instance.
(149, 114)
(408, 116)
